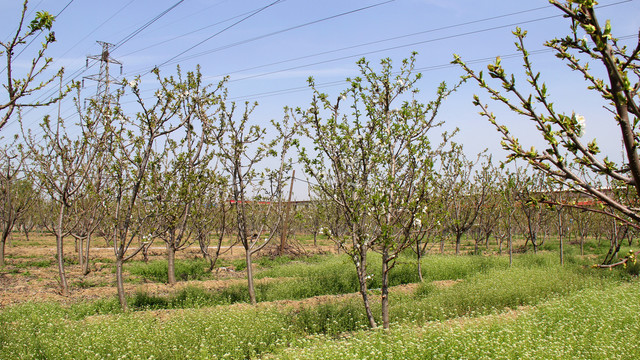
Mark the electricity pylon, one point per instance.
(103, 97)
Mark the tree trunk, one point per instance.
(80, 250)
(171, 267)
(442, 246)
(560, 238)
(419, 253)
(362, 279)
(120, 285)
(385, 289)
(315, 239)
(64, 287)
(458, 238)
(26, 232)
(209, 259)
(509, 240)
(5, 234)
(145, 253)
(2, 245)
(252, 291)
(85, 269)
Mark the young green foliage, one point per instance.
(569, 158)
(373, 160)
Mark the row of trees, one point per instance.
(168, 167)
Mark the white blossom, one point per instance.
(133, 83)
(581, 124)
(417, 222)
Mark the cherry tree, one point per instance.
(133, 152)
(589, 49)
(372, 158)
(17, 195)
(20, 89)
(257, 193)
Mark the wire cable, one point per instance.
(81, 71)
(37, 35)
(219, 32)
(386, 40)
(146, 25)
(188, 33)
(283, 30)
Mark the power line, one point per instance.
(283, 91)
(192, 32)
(27, 16)
(98, 27)
(141, 28)
(395, 47)
(422, 69)
(405, 45)
(220, 32)
(281, 31)
(388, 39)
(447, 37)
(80, 71)
(36, 37)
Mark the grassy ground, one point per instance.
(468, 306)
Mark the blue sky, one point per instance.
(269, 63)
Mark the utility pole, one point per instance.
(103, 97)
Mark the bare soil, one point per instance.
(31, 273)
